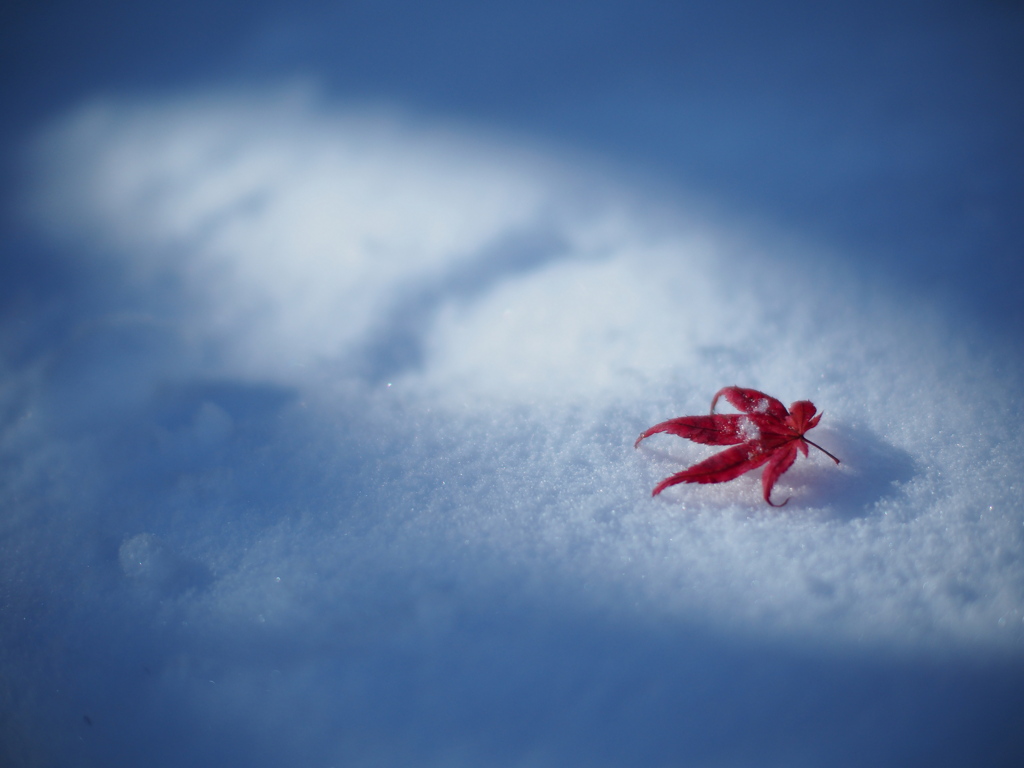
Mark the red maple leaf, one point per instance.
(764, 433)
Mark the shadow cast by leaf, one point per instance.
(871, 470)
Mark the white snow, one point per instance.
(434, 351)
(302, 236)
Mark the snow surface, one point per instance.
(336, 465)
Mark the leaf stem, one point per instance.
(821, 449)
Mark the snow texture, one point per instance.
(336, 466)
